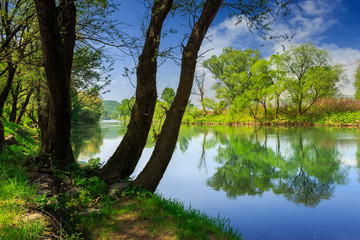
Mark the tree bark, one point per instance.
(277, 106)
(2, 136)
(14, 95)
(124, 160)
(5, 92)
(57, 31)
(3, 96)
(23, 106)
(154, 170)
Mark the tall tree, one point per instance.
(124, 160)
(310, 75)
(258, 90)
(57, 20)
(278, 78)
(151, 175)
(254, 12)
(15, 17)
(227, 70)
(125, 107)
(11, 73)
(200, 85)
(15, 94)
(24, 105)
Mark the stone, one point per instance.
(67, 181)
(73, 191)
(89, 211)
(117, 188)
(10, 140)
(45, 185)
(33, 217)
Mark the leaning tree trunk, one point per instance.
(154, 170)
(123, 162)
(24, 106)
(14, 95)
(57, 31)
(3, 96)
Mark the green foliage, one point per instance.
(89, 116)
(168, 95)
(96, 24)
(24, 136)
(296, 79)
(310, 75)
(125, 108)
(338, 118)
(211, 104)
(17, 196)
(86, 111)
(89, 81)
(230, 70)
(259, 89)
(187, 119)
(109, 108)
(357, 82)
(88, 72)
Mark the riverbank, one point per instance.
(339, 119)
(78, 205)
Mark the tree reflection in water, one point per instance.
(358, 161)
(305, 174)
(87, 140)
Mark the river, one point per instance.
(271, 183)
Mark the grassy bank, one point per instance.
(17, 196)
(324, 119)
(84, 209)
(141, 215)
(325, 112)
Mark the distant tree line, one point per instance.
(295, 79)
(289, 83)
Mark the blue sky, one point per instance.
(330, 24)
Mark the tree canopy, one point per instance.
(298, 78)
(357, 82)
(230, 70)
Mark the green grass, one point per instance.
(157, 217)
(311, 118)
(187, 223)
(341, 118)
(17, 196)
(152, 215)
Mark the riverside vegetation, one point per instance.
(298, 87)
(52, 75)
(135, 213)
(325, 112)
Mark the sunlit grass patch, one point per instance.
(187, 223)
(141, 215)
(17, 195)
(14, 225)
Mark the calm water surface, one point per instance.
(272, 183)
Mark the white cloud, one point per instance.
(310, 24)
(349, 58)
(226, 34)
(319, 7)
